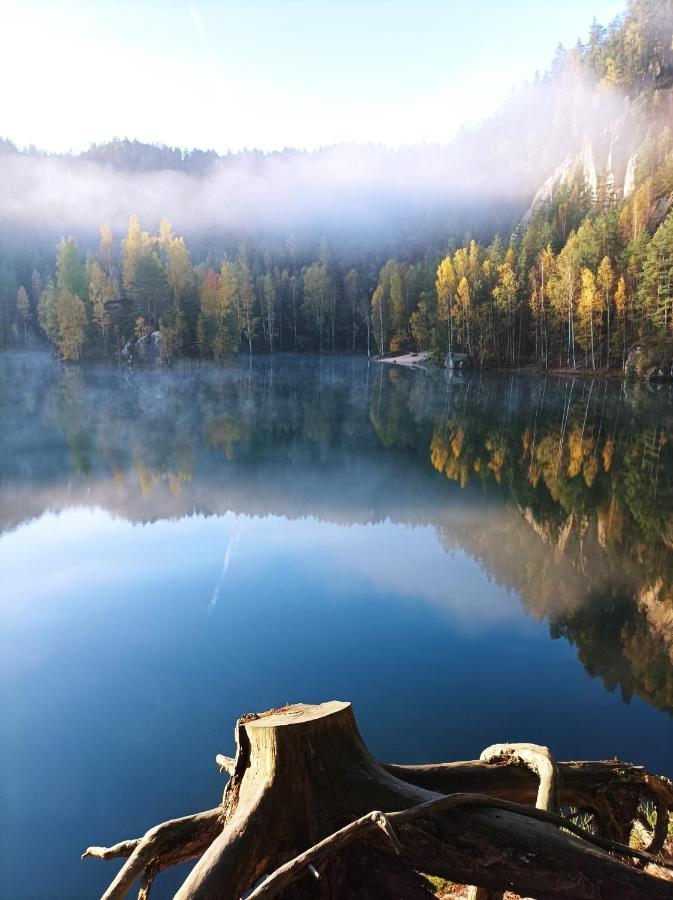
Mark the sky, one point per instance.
(270, 73)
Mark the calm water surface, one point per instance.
(469, 560)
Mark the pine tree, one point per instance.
(656, 289)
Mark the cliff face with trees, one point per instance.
(584, 274)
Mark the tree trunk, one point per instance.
(301, 813)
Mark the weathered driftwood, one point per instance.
(542, 764)
(300, 817)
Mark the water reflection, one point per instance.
(179, 546)
(561, 489)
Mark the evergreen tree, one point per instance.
(656, 289)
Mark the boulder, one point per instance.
(635, 361)
(458, 361)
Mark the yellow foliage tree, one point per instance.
(71, 318)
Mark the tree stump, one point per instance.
(300, 817)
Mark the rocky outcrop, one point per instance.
(145, 349)
(639, 365)
(635, 363)
(605, 160)
(630, 176)
(458, 361)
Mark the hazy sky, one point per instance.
(270, 73)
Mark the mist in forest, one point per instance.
(494, 166)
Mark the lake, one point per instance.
(469, 559)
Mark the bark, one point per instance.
(303, 816)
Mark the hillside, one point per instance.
(541, 235)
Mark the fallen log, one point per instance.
(308, 812)
(611, 789)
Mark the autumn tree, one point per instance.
(564, 289)
(586, 312)
(380, 318)
(504, 294)
(605, 280)
(540, 275)
(133, 245)
(445, 285)
(422, 325)
(102, 289)
(219, 322)
(71, 319)
(621, 311)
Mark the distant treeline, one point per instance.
(589, 273)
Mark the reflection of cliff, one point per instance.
(561, 490)
(578, 467)
(594, 483)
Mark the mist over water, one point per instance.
(180, 546)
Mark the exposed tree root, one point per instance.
(163, 846)
(300, 818)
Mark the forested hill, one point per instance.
(543, 234)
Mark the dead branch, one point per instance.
(162, 846)
(226, 763)
(536, 758)
(123, 848)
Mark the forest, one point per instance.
(583, 276)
